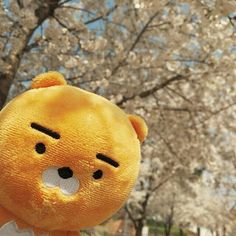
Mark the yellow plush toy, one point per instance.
(69, 158)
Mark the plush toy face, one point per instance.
(69, 158)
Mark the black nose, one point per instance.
(65, 172)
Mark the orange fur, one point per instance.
(87, 124)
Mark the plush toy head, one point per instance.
(69, 158)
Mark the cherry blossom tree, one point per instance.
(172, 62)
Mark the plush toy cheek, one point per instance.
(51, 179)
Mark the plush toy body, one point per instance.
(69, 159)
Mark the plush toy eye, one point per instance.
(40, 148)
(97, 174)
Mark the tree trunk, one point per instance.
(44, 10)
(139, 228)
(5, 83)
(167, 229)
(181, 233)
(224, 231)
(13, 60)
(198, 231)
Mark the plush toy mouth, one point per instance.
(53, 177)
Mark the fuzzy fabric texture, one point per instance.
(69, 158)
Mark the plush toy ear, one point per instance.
(48, 79)
(139, 126)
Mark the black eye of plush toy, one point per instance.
(40, 148)
(98, 174)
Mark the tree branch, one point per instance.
(142, 32)
(137, 39)
(214, 113)
(131, 216)
(45, 9)
(61, 23)
(179, 94)
(79, 9)
(102, 16)
(168, 145)
(178, 109)
(64, 2)
(162, 183)
(148, 92)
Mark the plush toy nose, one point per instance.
(65, 172)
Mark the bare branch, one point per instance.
(162, 183)
(194, 60)
(214, 113)
(142, 32)
(79, 9)
(102, 16)
(64, 2)
(179, 94)
(148, 92)
(61, 23)
(168, 145)
(158, 25)
(178, 109)
(137, 39)
(131, 216)
(20, 4)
